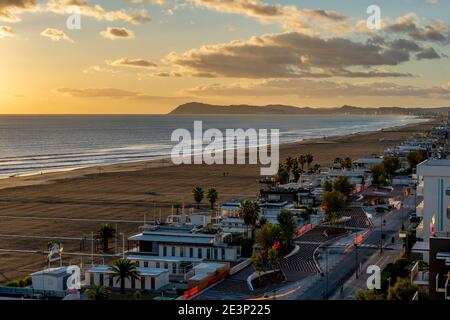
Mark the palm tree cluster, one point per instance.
(212, 195)
(295, 166)
(345, 163)
(249, 212)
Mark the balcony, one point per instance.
(442, 284)
(419, 209)
(419, 277)
(419, 189)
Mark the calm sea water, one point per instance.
(34, 144)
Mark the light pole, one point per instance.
(123, 245)
(356, 260)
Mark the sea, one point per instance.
(34, 144)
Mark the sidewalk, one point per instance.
(353, 284)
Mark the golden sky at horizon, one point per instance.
(147, 57)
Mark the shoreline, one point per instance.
(30, 179)
(71, 205)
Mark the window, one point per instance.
(208, 253)
(166, 265)
(101, 279)
(223, 254)
(447, 192)
(448, 212)
(164, 251)
(181, 251)
(145, 264)
(191, 252)
(157, 265)
(174, 268)
(200, 253)
(215, 254)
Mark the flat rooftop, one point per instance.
(175, 238)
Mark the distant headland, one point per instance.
(193, 108)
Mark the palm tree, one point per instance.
(249, 212)
(124, 269)
(198, 195)
(309, 159)
(98, 293)
(212, 196)
(106, 232)
(177, 207)
(301, 161)
(288, 163)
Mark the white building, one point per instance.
(179, 268)
(184, 241)
(149, 278)
(434, 182)
(52, 279)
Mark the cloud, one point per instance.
(289, 17)
(114, 33)
(317, 89)
(410, 25)
(9, 9)
(55, 35)
(132, 16)
(99, 69)
(294, 54)
(6, 31)
(135, 63)
(113, 93)
(158, 2)
(98, 93)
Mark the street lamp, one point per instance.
(123, 244)
(356, 260)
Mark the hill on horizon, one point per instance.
(193, 108)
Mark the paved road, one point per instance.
(346, 268)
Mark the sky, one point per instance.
(149, 56)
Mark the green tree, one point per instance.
(124, 269)
(378, 174)
(257, 262)
(416, 157)
(249, 212)
(282, 176)
(343, 185)
(333, 202)
(287, 224)
(309, 159)
(105, 232)
(346, 163)
(212, 196)
(391, 164)
(198, 194)
(327, 186)
(301, 161)
(98, 292)
(177, 207)
(262, 221)
(402, 290)
(267, 235)
(296, 171)
(370, 294)
(288, 163)
(273, 258)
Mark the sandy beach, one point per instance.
(70, 205)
